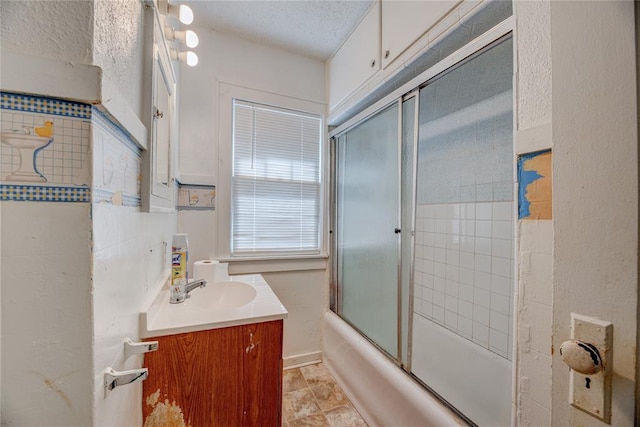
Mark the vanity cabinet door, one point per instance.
(220, 377)
(263, 374)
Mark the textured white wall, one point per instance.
(595, 185)
(47, 334)
(224, 58)
(534, 238)
(51, 29)
(130, 260)
(585, 259)
(118, 41)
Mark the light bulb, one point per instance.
(186, 14)
(192, 59)
(191, 39)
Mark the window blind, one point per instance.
(276, 182)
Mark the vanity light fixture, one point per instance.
(188, 57)
(182, 12)
(188, 37)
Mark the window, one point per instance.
(276, 181)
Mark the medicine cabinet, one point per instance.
(157, 179)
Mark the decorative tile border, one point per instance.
(101, 195)
(44, 105)
(196, 197)
(36, 193)
(109, 125)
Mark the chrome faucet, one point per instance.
(178, 297)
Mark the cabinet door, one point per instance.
(263, 374)
(357, 59)
(196, 376)
(403, 22)
(228, 377)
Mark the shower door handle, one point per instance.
(396, 230)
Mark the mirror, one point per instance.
(158, 182)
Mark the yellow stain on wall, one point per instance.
(539, 193)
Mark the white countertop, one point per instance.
(163, 318)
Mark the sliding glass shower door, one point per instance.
(424, 232)
(367, 198)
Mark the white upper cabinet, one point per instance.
(357, 59)
(403, 22)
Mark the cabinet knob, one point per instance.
(386, 54)
(373, 63)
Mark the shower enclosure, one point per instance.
(423, 260)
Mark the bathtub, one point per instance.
(383, 394)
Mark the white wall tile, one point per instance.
(438, 298)
(483, 228)
(451, 289)
(500, 304)
(482, 298)
(467, 260)
(465, 292)
(484, 211)
(483, 246)
(465, 327)
(438, 314)
(483, 263)
(465, 308)
(498, 341)
(481, 315)
(502, 230)
(501, 285)
(502, 211)
(451, 319)
(453, 272)
(482, 280)
(499, 322)
(502, 248)
(453, 257)
(480, 334)
(501, 266)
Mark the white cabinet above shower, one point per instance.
(403, 22)
(386, 31)
(357, 59)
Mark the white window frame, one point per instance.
(227, 93)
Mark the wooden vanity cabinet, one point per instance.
(227, 377)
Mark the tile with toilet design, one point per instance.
(54, 150)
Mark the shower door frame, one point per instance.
(410, 89)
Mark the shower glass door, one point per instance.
(462, 331)
(367, 196)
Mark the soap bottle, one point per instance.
(179, 258)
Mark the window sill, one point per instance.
(257, 265)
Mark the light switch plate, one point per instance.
(592, 393)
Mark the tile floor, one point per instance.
(311, 397)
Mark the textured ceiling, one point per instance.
(315, 28)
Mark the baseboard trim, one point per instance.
(299, 360)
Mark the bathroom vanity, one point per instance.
(219, 358)
(219, 377)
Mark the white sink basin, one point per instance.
(227, 294)
(241, 300)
